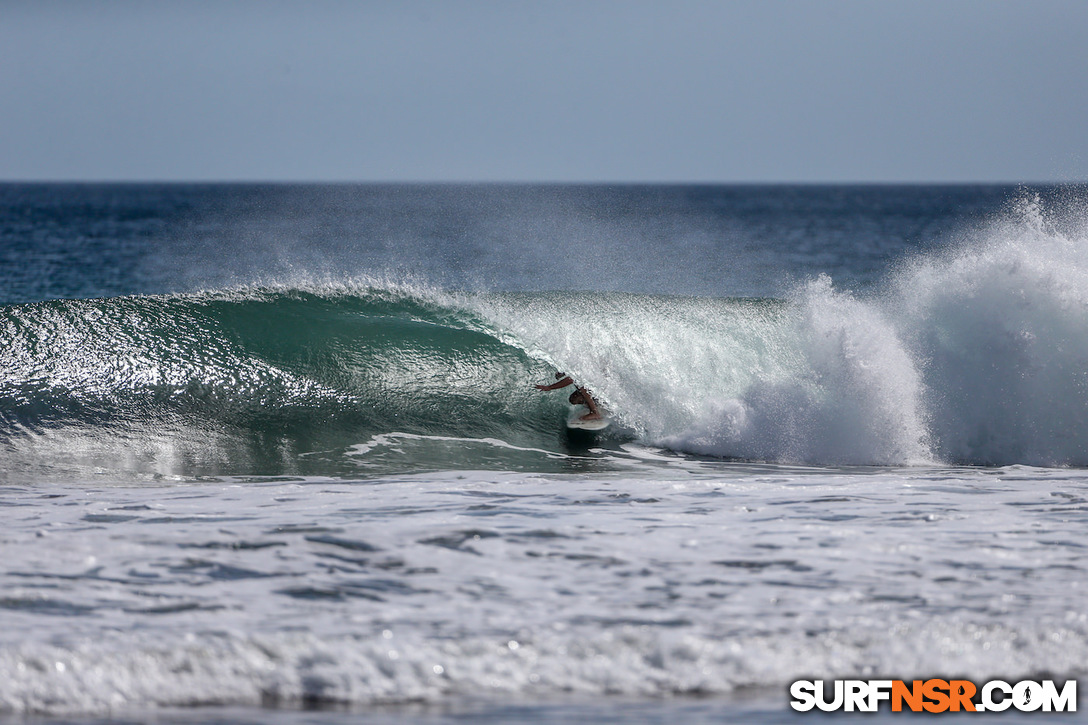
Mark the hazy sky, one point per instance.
(505, 90)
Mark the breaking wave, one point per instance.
(976, 355)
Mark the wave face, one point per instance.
(975, 356)
(253, 381)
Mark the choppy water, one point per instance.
(278, 447)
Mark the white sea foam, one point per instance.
(386, 440)
(704, 578)
(113, 673)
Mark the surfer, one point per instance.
(580, 396)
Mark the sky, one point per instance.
(671, 91)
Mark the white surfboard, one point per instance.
(575, 421)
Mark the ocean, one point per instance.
(274, 454)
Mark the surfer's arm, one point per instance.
(555, 386)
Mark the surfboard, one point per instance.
(576, 422)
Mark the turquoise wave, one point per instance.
(270, 374)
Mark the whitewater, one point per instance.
(850, 440)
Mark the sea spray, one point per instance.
(975, 355)
(849, 395)
(999, 327)
(821, 377)
(657, 361)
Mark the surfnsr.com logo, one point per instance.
(933, 696)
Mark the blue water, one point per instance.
(279, 447)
